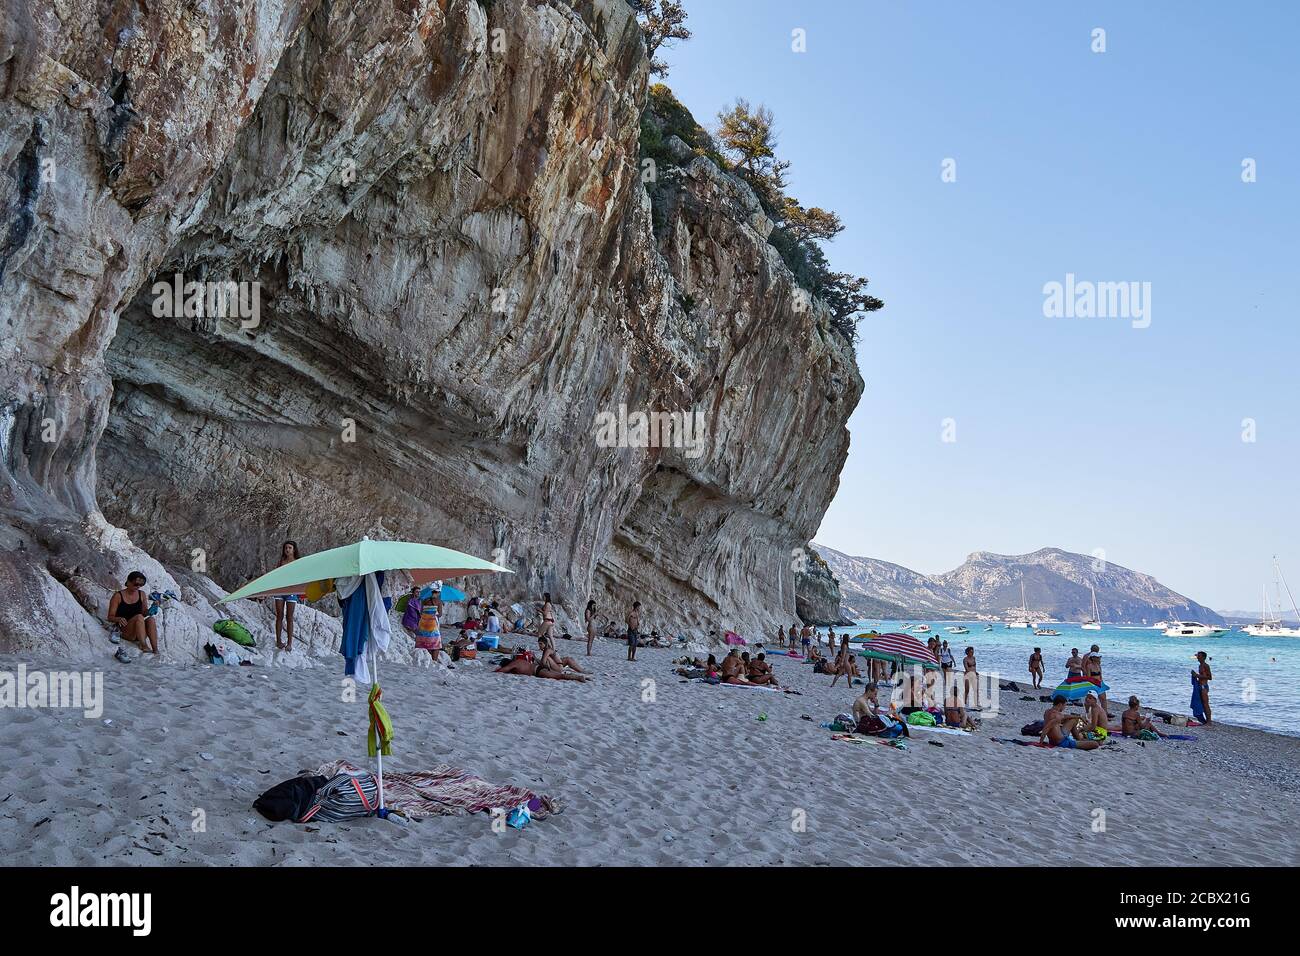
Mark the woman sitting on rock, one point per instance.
(128, 612)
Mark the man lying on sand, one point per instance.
(1132, 722)
(1065, 730)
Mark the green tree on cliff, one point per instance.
(662, 25)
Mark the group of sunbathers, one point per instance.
(736, 668)
(545, 663)
(1089, 730)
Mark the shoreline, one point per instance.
(649, 770)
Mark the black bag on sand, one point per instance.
(289, 800)
(1032, 730)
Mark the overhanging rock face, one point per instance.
(433, 218)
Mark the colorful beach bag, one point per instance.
(347, 796)
(428, 626)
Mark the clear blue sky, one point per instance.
(1118, 166)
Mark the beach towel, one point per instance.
(448, 791)
(731, 637)
(941, 730)
(1198, 708)
(1021, 743)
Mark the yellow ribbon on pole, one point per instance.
(380, 738)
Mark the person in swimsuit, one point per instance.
(954, 714)
(760, 672)
(1092, 668)
(946, 660)
(285, 603)
(805, 636)
(589, 615)
(548, 616)
(128, 611)
(1132, 722)
(1203, 677)
(846, 664)
(792, 637)
(1065, 730)
(1095, 715)
(971, 677)
(732, 670)
(1074, 666)
(633, 629)
(1036, 667)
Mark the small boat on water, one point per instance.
(921, 628)
(957, 630)
(988, 627)
(1193, 629)
(1046, 632)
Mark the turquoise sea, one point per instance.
(1256, 679)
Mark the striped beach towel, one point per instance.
(448, 791)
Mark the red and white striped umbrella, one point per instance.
(899, 647)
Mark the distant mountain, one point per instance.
(987, 586)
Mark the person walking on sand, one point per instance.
(285, 603)
(946, 660)
(793, 637)
(972, 678)
(590, 616)
(805, 635)
(1036, 667)
(633, 629)
(548, 616)
(1203, 678)
(128, 611)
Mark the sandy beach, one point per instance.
(649, 770)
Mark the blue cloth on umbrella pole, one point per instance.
(356, 624)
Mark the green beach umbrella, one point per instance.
(425, 562)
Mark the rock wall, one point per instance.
(438, 206)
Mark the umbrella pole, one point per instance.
(379, 752)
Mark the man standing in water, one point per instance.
(1036, 667)
(1203, 678)
(633, 627)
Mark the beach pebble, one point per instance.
(206, 756)
(668, 838)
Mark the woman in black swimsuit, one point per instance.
(128, 611)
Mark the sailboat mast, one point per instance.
(1278, 567)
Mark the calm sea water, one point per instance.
(1256, 680)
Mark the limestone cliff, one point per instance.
(434, 213)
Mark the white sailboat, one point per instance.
(1270, 624)
(1093, 623)
(1023, 621)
